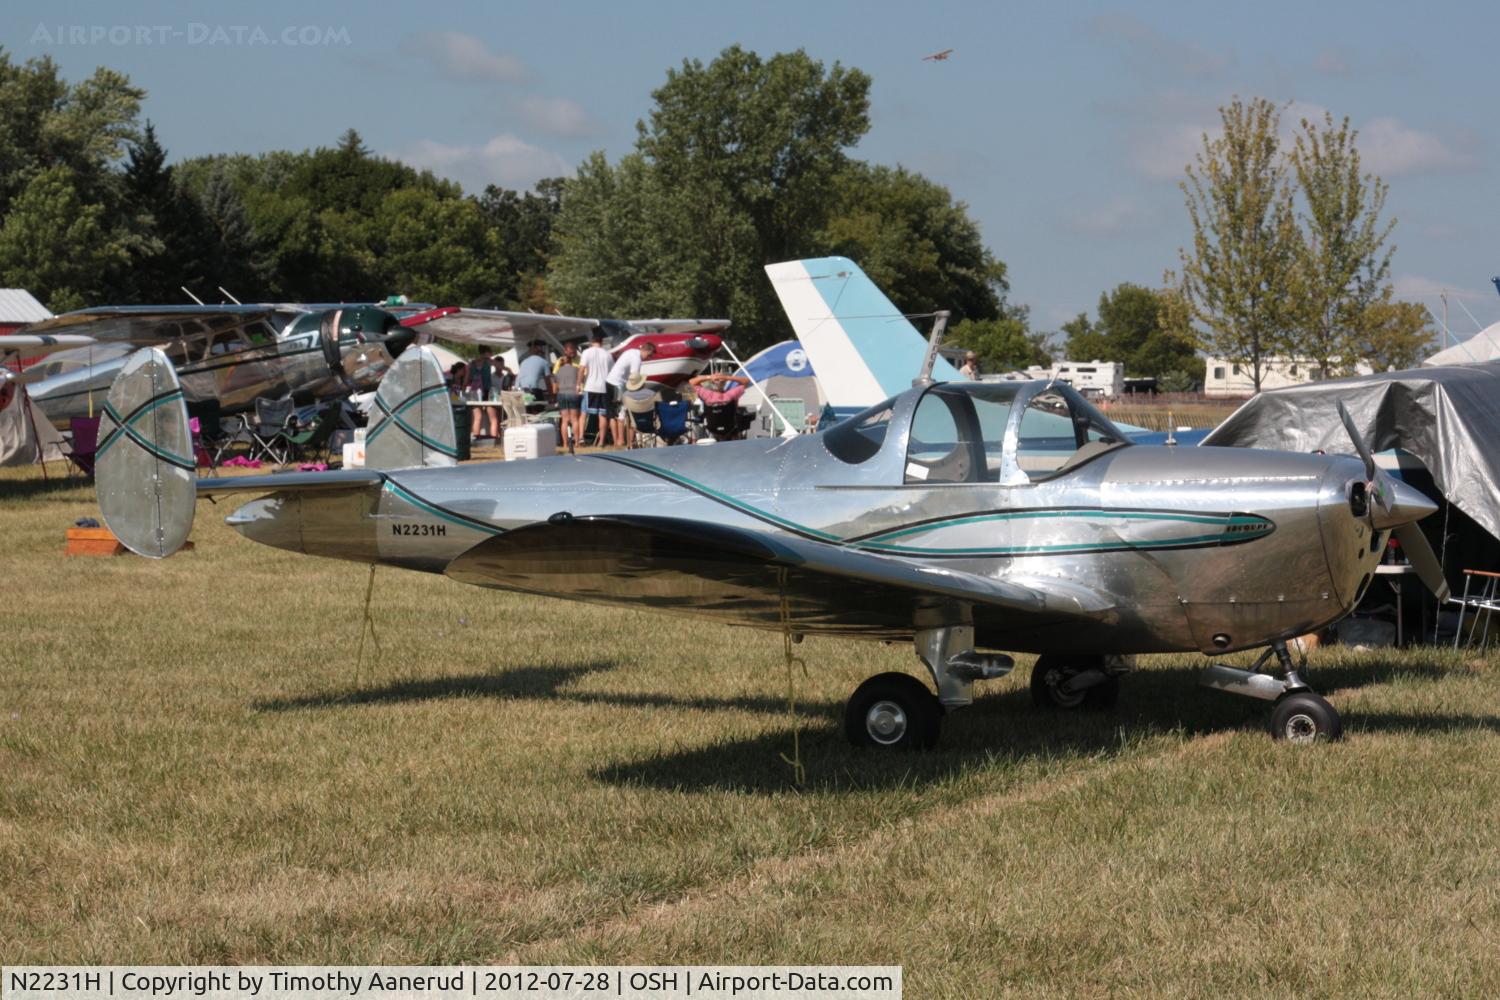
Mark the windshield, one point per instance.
(1060, 431)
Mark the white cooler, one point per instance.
(531, 441)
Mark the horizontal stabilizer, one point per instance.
(738, 575)
(291, 482)
(145, 469)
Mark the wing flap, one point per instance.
(739, 576)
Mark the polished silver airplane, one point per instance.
(229, 353)
(970, 519)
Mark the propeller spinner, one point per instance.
(1396, 506)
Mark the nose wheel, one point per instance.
(893, 712)
(1299, 714)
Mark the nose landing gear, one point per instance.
(1300, 715)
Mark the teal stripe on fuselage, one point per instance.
(452, 517)
(871, 544)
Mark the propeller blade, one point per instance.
(1359, 442)
(1420, 555)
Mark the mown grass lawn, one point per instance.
(192, 769)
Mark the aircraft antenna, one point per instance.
(231, 298)
(939, 325)
(190, 294)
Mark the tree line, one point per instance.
(740, 161)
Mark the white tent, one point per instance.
(25, 436)
(1483, 346)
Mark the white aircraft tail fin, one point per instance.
(411, 424)
(863, 349)
(145, 472)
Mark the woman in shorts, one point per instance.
(567, 387)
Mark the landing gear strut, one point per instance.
(1300, 715)
(896, 711)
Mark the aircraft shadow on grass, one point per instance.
(55, 486)
(1004, 725)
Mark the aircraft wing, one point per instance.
(149, 326)
(498, 327)
(18, 346)
(678, 325)
(739, 576)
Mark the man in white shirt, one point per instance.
(595, 365)
(627, 364)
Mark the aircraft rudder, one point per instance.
(411, 424)
(145, 466)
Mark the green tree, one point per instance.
(1342, 261)
(1394, 335)
(1244, 251)
(1003, 343)
(45, 122)
(433, 248)
(1083, 341)
(522, 224)
(57, 245)
(915, 242)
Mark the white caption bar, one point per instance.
(395, 982)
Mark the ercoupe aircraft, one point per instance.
(967, 518)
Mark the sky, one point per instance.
(1065, 127)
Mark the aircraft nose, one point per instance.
(1403, 504)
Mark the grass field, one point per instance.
(194, 771)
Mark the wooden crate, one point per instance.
(93, 542)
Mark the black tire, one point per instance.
(893, 712)
(1051, 671)
(1305, 718)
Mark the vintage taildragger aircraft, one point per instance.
(229, 353)
(236, 353)
(966, 518)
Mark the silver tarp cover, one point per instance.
(1448, 417)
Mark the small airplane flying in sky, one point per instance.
(971, 519)
(938, 56)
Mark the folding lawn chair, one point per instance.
(269, 433)
(85, 441)
(314, 440)
(672, 421)
(726, 421)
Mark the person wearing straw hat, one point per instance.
(639, 397)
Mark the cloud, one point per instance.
(1419, 288)
(504, 160)
(1391, 149)
(1163, 153)
(1118, 216)
(556, 116)
(464, 57)
(1149, 52)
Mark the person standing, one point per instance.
(970, 369)
(594, 366)
(627, 364)
(483, 372)
(567, 386)
(532, 372)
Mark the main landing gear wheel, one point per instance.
(1050, 683)
(1303, 717)
(893, 712)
